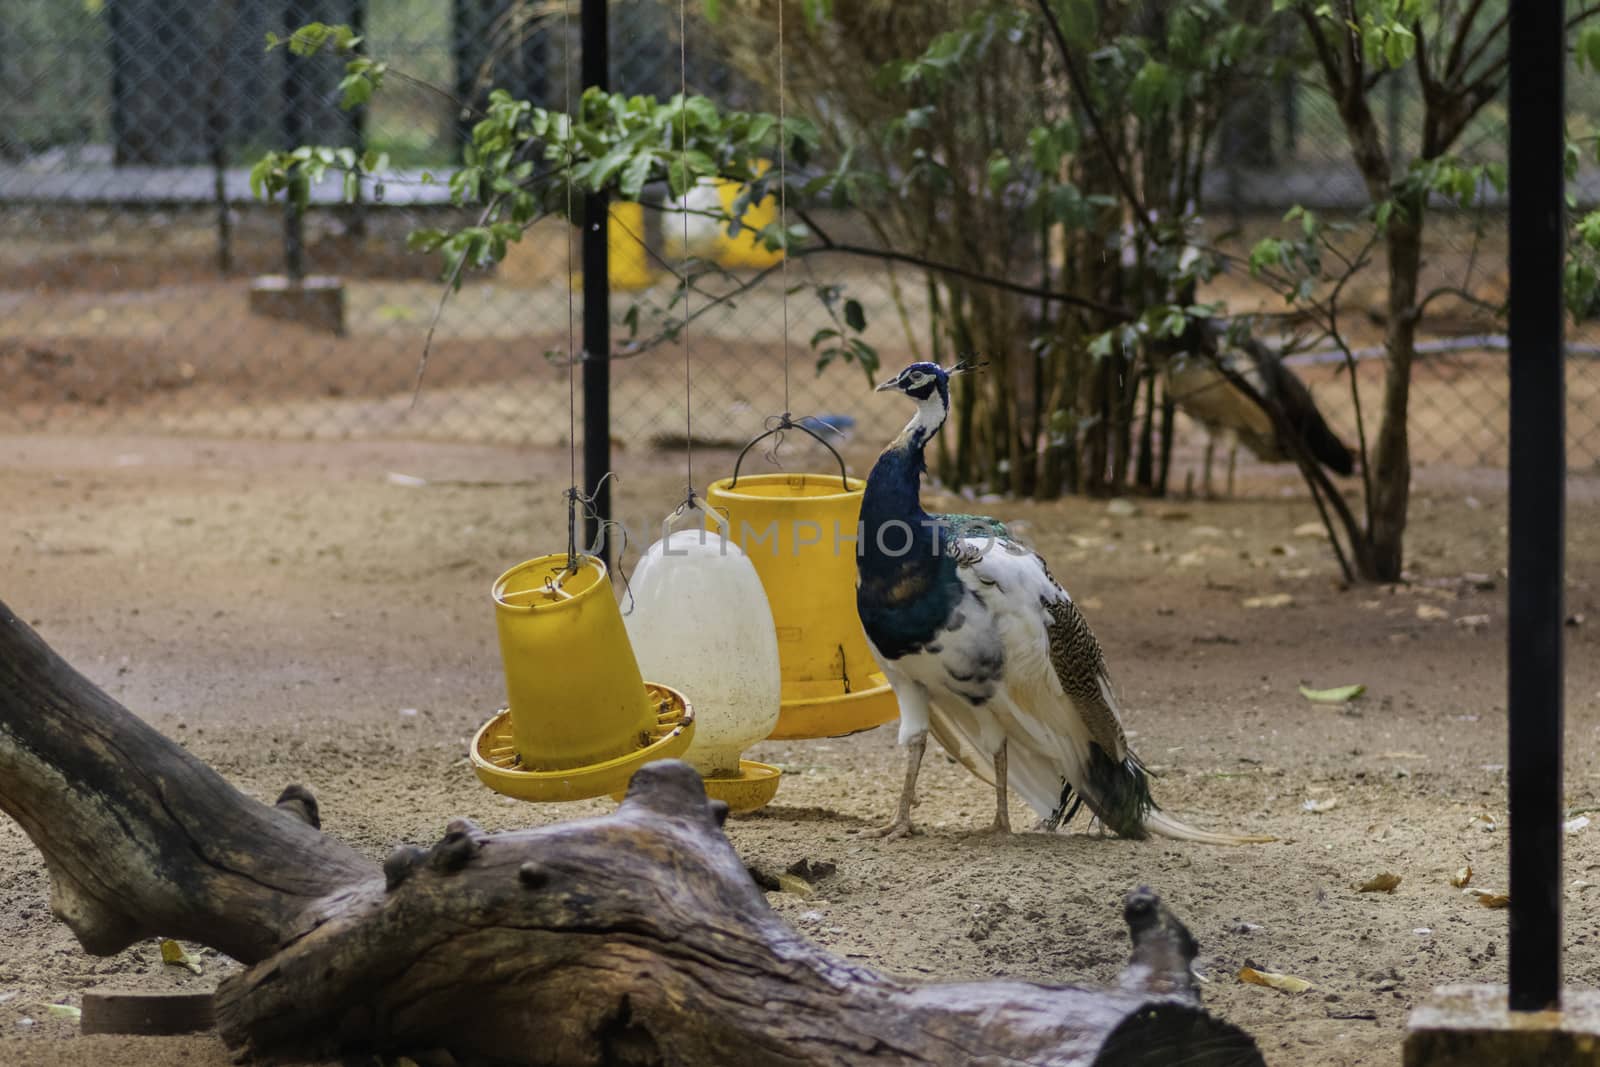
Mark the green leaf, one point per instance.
(854, 315)
(1339, 695)
(760, 126)
(1588, 230)
(357, 91)
(1000, 171)
(1396, 50)
(1153, 89)
(634, 175)
(678, 177)
(702, 112)
(1589, 47)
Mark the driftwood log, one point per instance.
(637, 938)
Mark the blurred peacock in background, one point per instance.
(984, 649)
(1207, 393)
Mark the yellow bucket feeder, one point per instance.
(580, 718)
(700, 621)
(799, 530)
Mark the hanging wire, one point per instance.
(688, 281)
(574, 496)
(783, 201)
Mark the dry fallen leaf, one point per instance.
(1342, 694)
(1431, 613)
(1380, 883)
(1462, 877)
(1483, 821)
(172, 952)
(1572, 826)
(1288, 983)
(1489, 898)
(65, 1011)
(1317, 807)
(793, 883)
(1310, 529)
(1271, 600)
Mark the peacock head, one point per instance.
(920, 381)
(929, 385)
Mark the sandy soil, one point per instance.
(291, 614)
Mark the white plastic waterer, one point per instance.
(700, 622)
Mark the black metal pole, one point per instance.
(596, 302)
(217, 129)
(1538, 476)
(356, 132)
(294, 136)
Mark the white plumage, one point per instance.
(986, 651)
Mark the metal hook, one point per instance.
(786, 422)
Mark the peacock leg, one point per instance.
(1233, 461)
(1002, 813)
(901, 826)
(1205, 478)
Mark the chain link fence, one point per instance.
(135, 266)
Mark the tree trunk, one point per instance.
(1145, 476)
(1391, 457)
(637, 938)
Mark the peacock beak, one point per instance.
(884, 387)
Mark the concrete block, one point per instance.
(316, 301)
(1470, 1026)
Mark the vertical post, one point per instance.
(1538, 474)
(217, 129)
(293, 135)
(468, 26)
(596, 301)
(356, 130)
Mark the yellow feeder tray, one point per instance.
(799, 530)
(752, 789)
(579, 718)
(497, 764)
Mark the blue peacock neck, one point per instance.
(906, 584)
(893, 494)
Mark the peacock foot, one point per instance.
(893, 831)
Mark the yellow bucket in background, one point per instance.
(574, 688)
(745, 250)
(799, 531)
(628, 263)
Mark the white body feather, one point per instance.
(1048, 738)
(1047, 734)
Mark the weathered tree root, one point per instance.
(637, 938)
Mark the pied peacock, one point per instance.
(986, 650)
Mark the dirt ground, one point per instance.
(292, 614)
